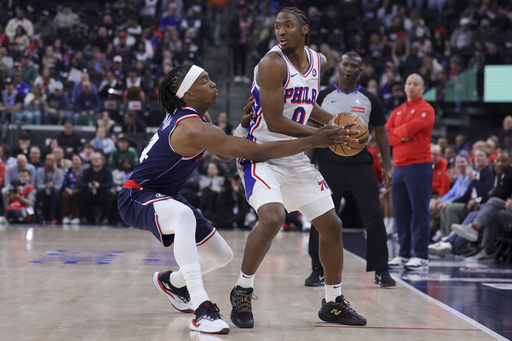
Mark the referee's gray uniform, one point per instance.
(355, 174)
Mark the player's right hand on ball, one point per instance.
(329, 135)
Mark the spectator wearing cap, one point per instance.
(122, 150)
(33, 105)
(28, 70)
(12, 101)
(441, 46)
(66, 18)
(56, 109)
(118, 66)
(462, 36)
(23, 146)
(87, 105)
(19, 20)
(123, 45)
(45, 27)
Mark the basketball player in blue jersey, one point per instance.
(285, 87)
(151, 199)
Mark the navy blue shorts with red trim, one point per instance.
(136, 209)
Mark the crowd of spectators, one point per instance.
(99, 63)
(70, 61)
(439, 39)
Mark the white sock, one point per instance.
(194, 280)
(245, 281)
(331, 292)
(177, 279)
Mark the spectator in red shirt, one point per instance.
(440, 179)
(410, 131)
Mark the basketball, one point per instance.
(355, 147)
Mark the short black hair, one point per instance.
(169, 86)
(354, 54)
(302, 18)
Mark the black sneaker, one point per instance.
(383, 278)
(241, 313)
(316, 279)
(179, 297)
(207, 319)
(340, 312)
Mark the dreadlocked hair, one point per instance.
(169, 86)
(299, 14)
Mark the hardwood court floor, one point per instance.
(90, 283)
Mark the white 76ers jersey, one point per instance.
(300, 93)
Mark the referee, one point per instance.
(355, 173)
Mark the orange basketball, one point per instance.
(355, 147)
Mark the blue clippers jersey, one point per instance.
(160, 167)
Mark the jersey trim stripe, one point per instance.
(356, 89)
(147, 203)
(159, 229)
(185, 157)
(253, 173)
(207, 238)
(309, 66)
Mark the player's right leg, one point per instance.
(335, 308)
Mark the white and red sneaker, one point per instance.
(207, 319)
(179, 297)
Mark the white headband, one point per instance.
(189, 79)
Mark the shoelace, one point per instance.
(244, 301)
(345, 305)
(213, 311)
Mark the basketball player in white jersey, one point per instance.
(285, 87)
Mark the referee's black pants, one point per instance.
(360, 179)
